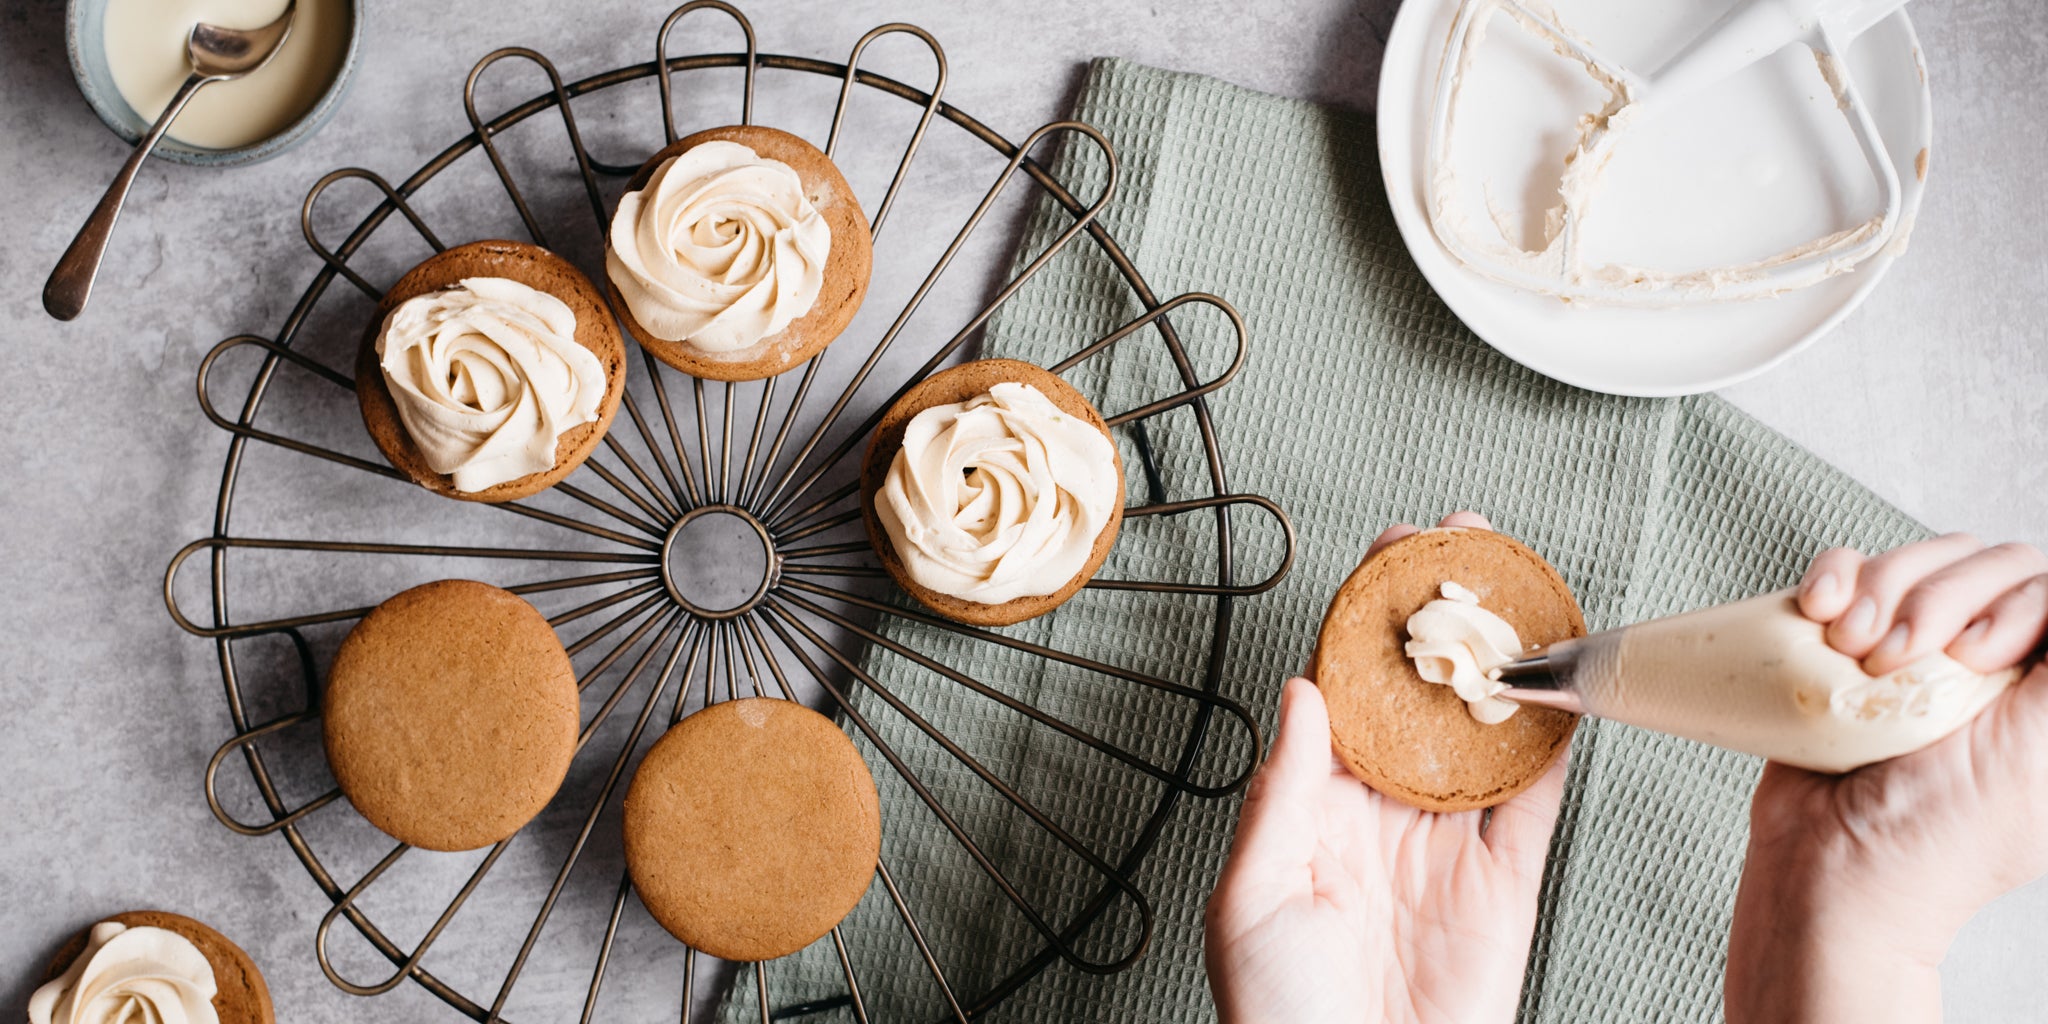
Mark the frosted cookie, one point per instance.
(1419, 741)
(752, 828)
(992, 492)
(738, 253)
(451, 715)
(147, 965)
(491, 372)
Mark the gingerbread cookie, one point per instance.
(1051, 447)
(752, 827)
(465, 399)
(451, 715)
(712, 253)
(240, 995)
(1417, 741)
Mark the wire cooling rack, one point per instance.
(816, 607)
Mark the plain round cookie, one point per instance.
(451, 715)
(538, 269)
(752, 828)
(1416, 741)
(847, 266)
(951, 387)
(240, 994)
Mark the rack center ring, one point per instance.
(672, 553)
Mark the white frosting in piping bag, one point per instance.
(998, 497)
(720, 249)
(1754, 676)
(487, 377)
(1458, 644)
(1759, 677)
(130, 976)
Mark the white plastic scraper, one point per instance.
(1748, 32)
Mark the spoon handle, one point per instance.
(70, 284)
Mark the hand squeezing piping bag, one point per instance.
(1758, 677)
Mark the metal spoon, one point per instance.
(217, 55)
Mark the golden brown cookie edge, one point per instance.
(706, 938)
(338, 746)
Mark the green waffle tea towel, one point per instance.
(1364, 402)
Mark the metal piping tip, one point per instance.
(1541, 679)
(1535, 671)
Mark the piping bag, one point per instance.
(1758, 677)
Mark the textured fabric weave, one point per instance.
(1364, 402)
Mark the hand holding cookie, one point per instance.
(1849, 876)
(1339, 903)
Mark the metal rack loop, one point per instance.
(244, 741)
(290, 355)
(294, 623)
(1175, 508)
(1174, 401)
(391, 197)
(664, 70)
(236, 825)
(346, 906)
(239, 631)
(486, 136)
(924, 121)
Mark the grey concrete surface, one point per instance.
(1935, 394)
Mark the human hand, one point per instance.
(1855, 884)
(1340, 904)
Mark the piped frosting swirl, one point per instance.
(130, 976)
(720, 249)
(487, 377)
(999, 497)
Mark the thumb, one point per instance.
(1301, 752)
(1276, 828)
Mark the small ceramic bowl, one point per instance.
(84, 25)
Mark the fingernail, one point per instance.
(1894, 642)
(1823, 587)
(1862, 617)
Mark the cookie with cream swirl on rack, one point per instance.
(492, 371)
(992, 492)
(738, 253)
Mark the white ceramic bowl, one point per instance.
(84, 37)
(1759, 164)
